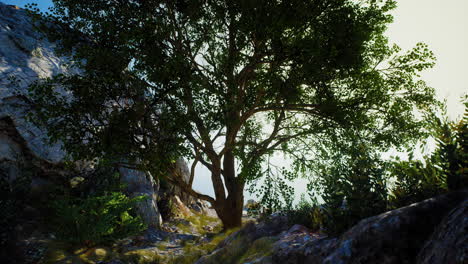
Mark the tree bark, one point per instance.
(230, 210)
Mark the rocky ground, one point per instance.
(432, 231)
(181, 240)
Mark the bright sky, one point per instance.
(442, 24)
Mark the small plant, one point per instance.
(96, 219)
(307, 213)
(253, 209)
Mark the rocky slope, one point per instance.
(432, 231)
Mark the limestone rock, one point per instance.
(393, 237)
(449, 242)
(25, 56)
(239, 242)
(180, 207)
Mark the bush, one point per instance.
(444, 170)
(415, 181)
(307, 213)
(353, 188)
(96, 219)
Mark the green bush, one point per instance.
(354, 187)
(443, 170)
(415, 181)
(96, 219)
(307, 213)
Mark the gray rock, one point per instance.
(239, 242)
(139, 183)
(395, 236)
(449, 242)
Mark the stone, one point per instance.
(140, 183)
(395, 236)
(449, 242)
(239, 242)
(398, 236)
(180, 208)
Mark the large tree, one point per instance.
(228, 84)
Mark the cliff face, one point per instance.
(25, 56)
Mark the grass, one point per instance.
(61, 252)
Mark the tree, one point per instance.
(228, 84)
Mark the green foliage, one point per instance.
(415, 181)
(353, 186)
(253, 209)
(273, 192)
(443, 170)
(307, 213)
(96, 219)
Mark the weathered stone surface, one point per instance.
(180, 207)
(182, 171)
(395, 236)
(449, 242)
(140, 183)
(25, 56)
(239, 242)
(300, 245)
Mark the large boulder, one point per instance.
(235, 248)
(449, 242)
(396, 236)
(24, 57)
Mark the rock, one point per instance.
(238, 243)
(299, 245)
(395, 236)
(140, 183)
(180, 208)
(19, 67)
(449, 242)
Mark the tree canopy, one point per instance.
(230, 83)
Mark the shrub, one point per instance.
(444, 170)
(415, 181)
(307, 213)
(96, 219)
(353, 187)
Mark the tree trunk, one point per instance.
(230, 209)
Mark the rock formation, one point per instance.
(449, 242)
(25, 56)
(431, 231)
